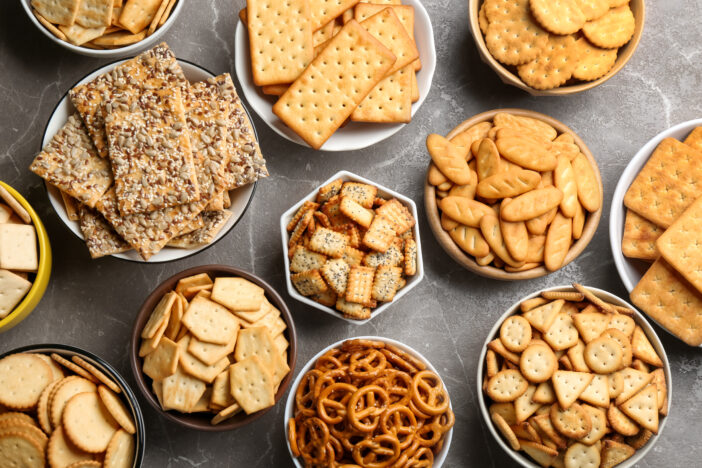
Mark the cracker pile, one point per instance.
(102, 24)
(62, 413)
(19, 258)
(331, 62)
(351, 249)
(554, 43)
(149, 159)
(663, 222)
(513, 193)
(215, 347)
(574, 381)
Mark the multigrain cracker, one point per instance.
(336, 273)
(309, 283)
(100, 237)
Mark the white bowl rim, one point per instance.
(76, 232)
(107, 53)
(638, 318)
(287, 215)
(287, 413)
(357, 142)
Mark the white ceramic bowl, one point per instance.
(439, 458)
(126, 51)
(412, 281)
(355, 135)
(240, 198)
(631, 270)
(526, 461)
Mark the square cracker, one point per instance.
(640, 235)
(258, 342)
(681, 247)
(153, 69)
(694, 139)
(181, 392)
(195, 367)
(323, 11)
(209, 353)
(251, 384)
(386, 283)
(328, 242)
(94, 13)
(138, 14)
(398, 214)
(380, 235)
(210, 322)
(352, 310)
(359, 286)
(271, 321)
(667, 184)
(336, 273)
(70, 162)
(237, 294)
(280, 39)
(78, 35)
(163, 361)
(18, 247)
(100, 237)
(388, 29)
(349, 67)
(309, 283)
(57, 11)
(221, 396)
(12, 290)
(150, 150)
(251, 316)
(363, 194)
(390, 101)
(304, 259)
(159, 315)
(670, 300)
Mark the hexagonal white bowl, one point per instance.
(519, 457)
(412, 281)
(439, 458)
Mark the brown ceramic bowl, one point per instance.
(467, 261)
(508, 76)
(201, 421)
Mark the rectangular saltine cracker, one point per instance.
(12, 290)
(323, 11)
(681, 247)
(388, 29)
(94, 13)
(390, 101)
(640, 235)
(138, 14)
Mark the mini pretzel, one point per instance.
(367, 403)
(428, 393)
(375, 453)
(367, 364)
(331, 404)
(304, 394)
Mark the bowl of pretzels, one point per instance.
(368, 401)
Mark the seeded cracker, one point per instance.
(214, 221)
(70, 162)
(153, 69)
(99, 235)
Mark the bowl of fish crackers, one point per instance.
(103, 28)
(574, 376)
(25, 258)
(655, 224)
(560, 47)
(213, 348)
(63, 406)
(335, 76)
(512, 194)
(351, 248)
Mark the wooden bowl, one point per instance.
(509, 77)
(467, 261)
(201, 421)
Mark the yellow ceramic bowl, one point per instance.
(36, 292)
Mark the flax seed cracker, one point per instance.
(99, 235)
(214, 221)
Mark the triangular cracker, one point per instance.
(597, 393)
(643, 408)
(524, 406)
(633, 382)
(643, 349)
(568, 386)
(542, 317)
(659, 380)
(543, 455)
(613, 453)
(544, 394)
(590, 325)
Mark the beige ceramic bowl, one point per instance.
(508, 75)
(467, 261)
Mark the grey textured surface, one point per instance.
(91, 304)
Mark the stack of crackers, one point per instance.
(66, 413)
(513, 193)
(663, 225)
(215, 347)
(351, 249)
(551, 43)
(18, 252)
(148, 159)
(574, 381)
(331, 62)
(102, 24)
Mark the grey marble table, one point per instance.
(92, 303)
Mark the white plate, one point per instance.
(355, 135)
(125, 51)
(385, 192)
(519, 457)
(439, 458)
(631, 270)
(241, 197)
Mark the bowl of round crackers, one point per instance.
(512, 194)
(213, 348)
(104, 28)
(574, 373)
(556, 48)
(64, 406)
(25, 266)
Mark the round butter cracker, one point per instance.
(506, 385)
(558, 16)
(22, 379)
(515, 333)
(594, 62)
(87, 423)
(120, 451)
(603, 355)
(117, 409)
(64, 391)
(61, 452)
(19, 450)
(538, 362)
(613, 29)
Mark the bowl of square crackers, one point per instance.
(351, 248)
(103, 28)
(213, 348)
(574, 376)
(64, 406)
(655, 224)
(25, 258)
(546, 47)
(512, 194)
